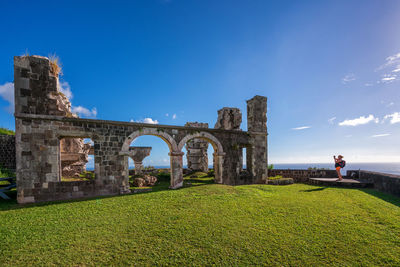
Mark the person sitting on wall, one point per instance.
(339, 164)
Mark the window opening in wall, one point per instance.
(198, 162)
(149, 163)
(244, 158)
(76, 159)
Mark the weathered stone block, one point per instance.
(229, 119)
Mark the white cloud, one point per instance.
(174, 116)
(331, 120)
(88, 141)
(380, 135)
(65, 89)
(394, 118)
(7, 93)
(359, 121)
(349, 135)
(391, 60)
(82, 111)
(388, 78)
(390, 104)
(150, 121)
(301, 128)
(146, 120)
(348, 78)
(166, 114)
(397, 69)
(368, 84)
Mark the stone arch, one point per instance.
(218, 151)
(150, 131)
(203, 135)
(174, 153)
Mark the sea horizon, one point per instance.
(384, 167)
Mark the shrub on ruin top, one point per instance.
(55, 64)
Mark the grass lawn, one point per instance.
(205, 224)
(6, 131)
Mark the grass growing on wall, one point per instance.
(206, 224)
(6, 131)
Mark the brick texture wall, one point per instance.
(7, 151)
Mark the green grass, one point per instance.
(277, 177)
(206, 224)
(6, 131)
(4, 172)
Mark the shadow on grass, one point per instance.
(162, 185)
(314, 189)
(371, 191)
(384, 196)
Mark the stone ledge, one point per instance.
(123, 123)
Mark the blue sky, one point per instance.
(330, 69)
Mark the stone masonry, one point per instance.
(197, 158)
(229, 119)
(7, 151)
(40, 125)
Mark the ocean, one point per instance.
(389, 167)
(393, 168)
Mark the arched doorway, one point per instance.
(218, 151)
(176, 163)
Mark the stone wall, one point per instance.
(257, 152)
(302, 176)
(384, 182)
(7, 151)
(229, 119)
(197, 158)
(41, 122)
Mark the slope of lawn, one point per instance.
(6, 131)
(205, 224)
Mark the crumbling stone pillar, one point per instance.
(138, 154)
(218, 167)
(37, 148)
(229, 119)
(257, 155)
(176, 169)
(197, 159)
(229, 168)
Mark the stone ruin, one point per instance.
(229, 119)
(138, 153)
(42, 121)
(74, 156)
(74, 153)
(197, 158)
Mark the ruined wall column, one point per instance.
(218, 167)
(176, 169)
(37, 147)
(197, 158)
(257, 154)
(138, 154)
(229, 165)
